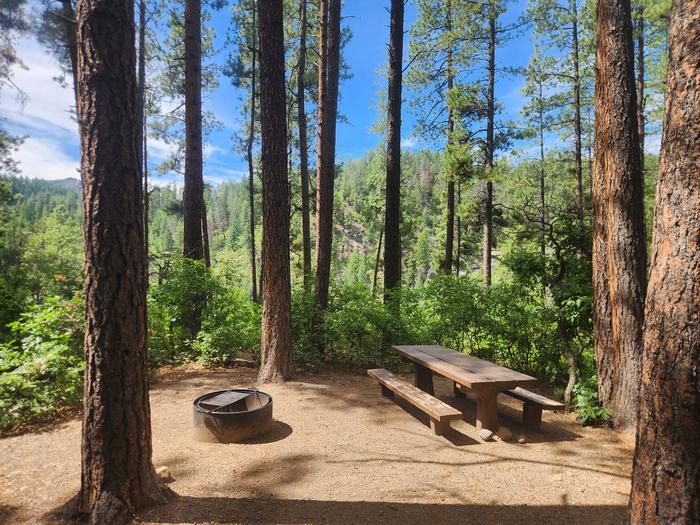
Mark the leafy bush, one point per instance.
(230, 322)
(42, 367)
(588, 409)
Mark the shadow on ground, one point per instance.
(245, 510)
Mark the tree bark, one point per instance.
(303, 148)
(194, 185)
(251, 171)
(577, 109)
(639, 22)
(449, 233)
(490, 148)
(193, 246)
(141, 111)
(666, 472)
(276, 345)
(329, 39)
(619, 259)
(117, 476)
(392, 222)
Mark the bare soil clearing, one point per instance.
(341, 453)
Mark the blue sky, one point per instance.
(51, 151)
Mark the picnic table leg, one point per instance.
(424, 379)
(458, 392)
(487, 410)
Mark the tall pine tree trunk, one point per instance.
(578, 164)
(193, 246)
(392, 223)
(639, 22)
(117, 476)
(490, 148)
(619, 259)
(450, 231)
(303, 147)
(276, 344)
(141, 113)
(251, 170)
(666, 472)
(329, 39)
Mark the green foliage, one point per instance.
(230, 321)
(588, 409)
(41, 369)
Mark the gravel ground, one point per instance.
(341, 453)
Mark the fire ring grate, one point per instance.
(231, 416)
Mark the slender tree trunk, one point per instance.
(276, 345)
(141, 112)
(327, 110)
(639, 22)
(251, 170)
(392, 222)
(117, 476)
(303, 148)
(145, 196)
(666, 472)
(490, 148)
(619, 258)
(70, 31)
(376, 262)
(577, 109)
(205, 236)
(458, 256)
(543, 211)
(570, 362)
(449, 234)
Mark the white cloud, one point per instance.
(48, 106)
(409, 142)
(43, 159)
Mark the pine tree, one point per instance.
(117, 474)
(619, 257)
(666, 472)
(276, 345)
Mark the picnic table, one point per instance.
(470, 374)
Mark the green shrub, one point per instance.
(588, 409)
(42, 368)
(230, 322)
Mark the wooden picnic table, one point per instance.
(470, 374)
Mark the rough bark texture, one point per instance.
(251, 170)
(666, 473)
(276, 344)
(194, 186)
(639, 23)
(392, 222)
(303, 148)
(117, 476)
(576, 81)
(619, 259)
(487, 242)
(329, 39)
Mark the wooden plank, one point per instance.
(492, 371)
(443, 368)
(536, 399)
(436, 409)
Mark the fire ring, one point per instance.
(231, 416)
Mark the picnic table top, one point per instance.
(464, 369)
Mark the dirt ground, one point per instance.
(341, 453)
